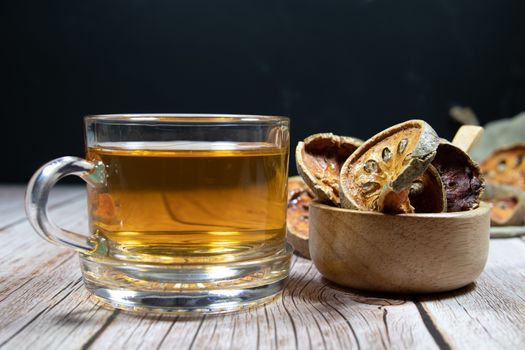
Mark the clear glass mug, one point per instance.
(187, 213)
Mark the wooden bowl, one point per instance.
(408, 253)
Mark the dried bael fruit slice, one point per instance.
(506, 166)
(319, 158)
(427, 193)
(461, 176)
(379, 174)
(507, 211)
(507, 205)
(299, 198)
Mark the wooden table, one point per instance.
(43, 304)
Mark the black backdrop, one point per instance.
(351, 67)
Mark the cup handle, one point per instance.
(37, 195)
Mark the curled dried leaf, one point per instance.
(319, 158)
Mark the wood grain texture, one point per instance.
(491, 313)
(43, 305)
(12, 201)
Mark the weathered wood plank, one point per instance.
(42, 299)
(24, 255)
(53, 309)
(310, 315)
(53, 312)
(43, 304)
(12, 201)
(491, 313)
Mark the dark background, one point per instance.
(352, 67)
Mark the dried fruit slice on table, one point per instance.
(507, 205)
(461, 177)
(299, 198)
(319, 158)
(379, 174)
(507, 211)
(506, 166)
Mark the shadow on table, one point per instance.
(319, 288)
(86, 317)
(380, 298)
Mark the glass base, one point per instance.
(186, 288)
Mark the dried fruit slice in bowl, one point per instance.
(297, 215)
(379, 174)
(506, 166)
(319, 159)
(461, 177)
(427, 193)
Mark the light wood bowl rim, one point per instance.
(481, 210)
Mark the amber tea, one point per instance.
(187, 212)
(199, 201)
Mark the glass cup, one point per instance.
(187, 213)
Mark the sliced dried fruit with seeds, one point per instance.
(319, 158)
(461, 176)
(506, 166)
(379, 174)
(427, 193)
(507, 211)
(299, 198)
(507, 205)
